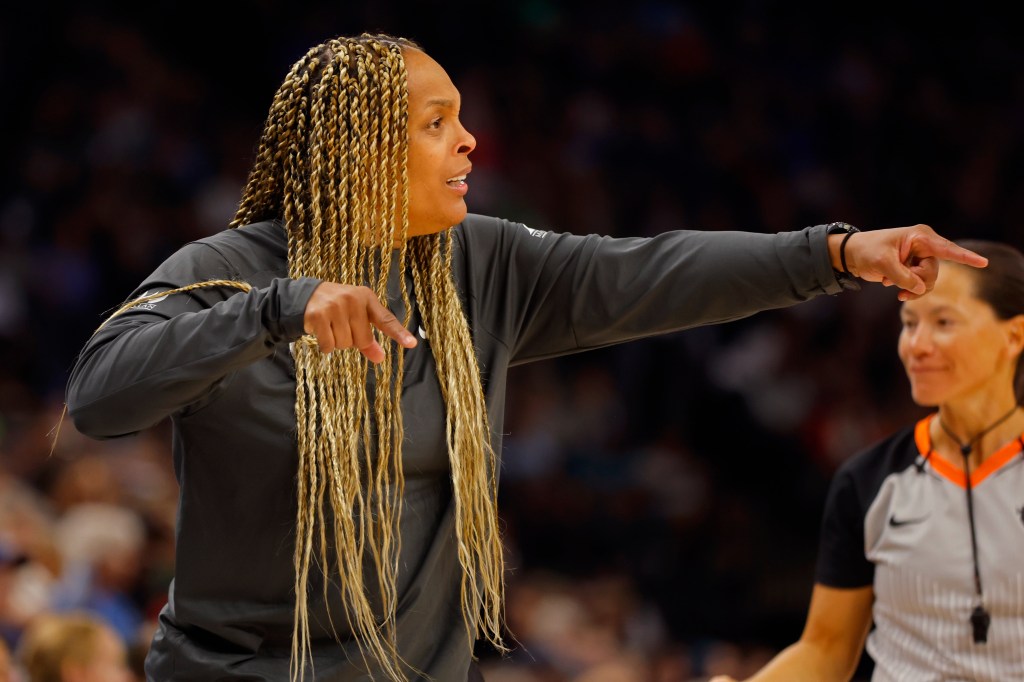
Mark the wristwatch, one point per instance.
(846, 280)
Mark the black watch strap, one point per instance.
(847, 281)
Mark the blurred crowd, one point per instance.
(660, 499)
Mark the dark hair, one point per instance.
(1001, 285)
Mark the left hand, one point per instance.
(906, 257)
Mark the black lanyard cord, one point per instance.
(970, 520)
(966, 448)
(980, 618)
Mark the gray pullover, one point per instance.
(216, 361)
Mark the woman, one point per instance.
(268, 345)
(73, 648)
(924, 532)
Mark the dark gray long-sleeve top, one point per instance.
(217, 362)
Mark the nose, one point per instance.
(920, 340)
(466, 143)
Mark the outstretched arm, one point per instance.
(545, 294)
(833, 638)
(906, 257)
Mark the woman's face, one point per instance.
(952, 344)
(439, 148)
(109, 662)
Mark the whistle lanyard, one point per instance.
(980, 618)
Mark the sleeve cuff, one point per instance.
(831, 281)
(294, 295)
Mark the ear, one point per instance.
(1015, 335)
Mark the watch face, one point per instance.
(834, 228)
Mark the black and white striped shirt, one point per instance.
(896, 519)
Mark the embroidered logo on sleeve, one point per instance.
(539, 234)
(150, 304)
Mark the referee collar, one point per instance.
(953, 473)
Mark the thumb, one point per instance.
(905, 277)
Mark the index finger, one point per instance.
(940, 247)
(384, 320)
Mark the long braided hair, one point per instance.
(331, 167)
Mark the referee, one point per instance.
(923, 532)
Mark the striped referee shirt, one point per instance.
(896, 518)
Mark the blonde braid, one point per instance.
(311, 478)
(262, 196)
(388, 480)
(326, 123)
(332, 167)
(394, 142)
(338, 456)
(145, 298)
(472, 458)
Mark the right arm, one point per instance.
(160, 357)
(829, 649)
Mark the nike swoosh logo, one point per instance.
(896, 523)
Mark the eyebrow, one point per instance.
(441, 102)
(937, 310)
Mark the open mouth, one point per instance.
(457, 181)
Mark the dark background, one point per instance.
(684, 474)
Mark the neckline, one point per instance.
(950, 471)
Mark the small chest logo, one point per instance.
(895, 522)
